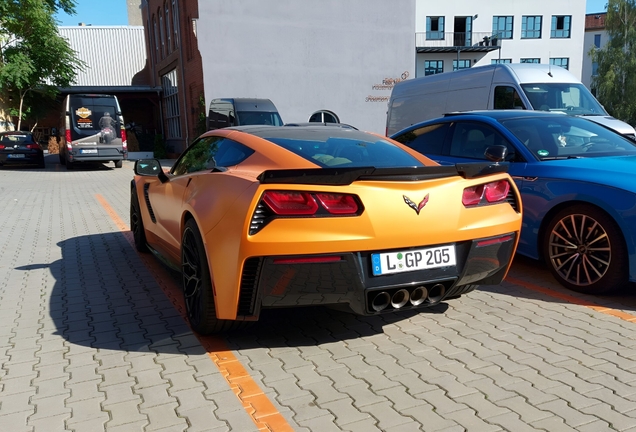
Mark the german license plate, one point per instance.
(410, 260)
(87, 151)
(16, 156)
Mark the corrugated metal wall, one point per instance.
(113, 54)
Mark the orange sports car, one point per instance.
(264, 217)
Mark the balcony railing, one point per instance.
(441, 40)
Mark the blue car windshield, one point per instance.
(562, 137)
(348, 152)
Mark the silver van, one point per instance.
(242, 111)
(502, 86)
(93, 130)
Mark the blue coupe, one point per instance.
(577, 181)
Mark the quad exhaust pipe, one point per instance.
(401, 297)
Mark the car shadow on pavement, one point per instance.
(104, 297)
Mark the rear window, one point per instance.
(259, 118)
(90, 115)
(347, 152)
(16, 138)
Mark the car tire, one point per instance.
(62, 159)
(41, 163)
(137, 223)
(118, 164)
(69, 165)
(197, 285)
(585, 250)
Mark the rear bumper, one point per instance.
(271, 282)
(102, 155)
(30, 158)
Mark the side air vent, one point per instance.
(150, 212)
(259, 218)
(249, 283)
(512, 200)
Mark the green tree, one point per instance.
(34, 58)
(615, 82)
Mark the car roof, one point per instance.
(307, 133)
(16, 133)
(506, 114)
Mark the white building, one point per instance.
(341, 56)
(466, 33)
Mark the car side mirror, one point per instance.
(496, 153)
(150, 168)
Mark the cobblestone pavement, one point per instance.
(89, 341)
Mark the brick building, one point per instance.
(175, 68)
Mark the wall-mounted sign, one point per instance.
(386, 85)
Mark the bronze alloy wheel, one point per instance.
(584, 250)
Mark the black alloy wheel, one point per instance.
(137, 223)
(118, 164)
(585, 250)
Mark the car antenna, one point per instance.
(549, 66)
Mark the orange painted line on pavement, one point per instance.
(260, 409)
(573, 299)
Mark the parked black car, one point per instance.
(19, 147)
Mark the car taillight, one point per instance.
(490, 192)
(67, 135)
(2, 147)
(124, 141)
(338, 204)
(291, 203)
(299, 204)
(32, 146)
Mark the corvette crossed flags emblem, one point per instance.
(416, 207)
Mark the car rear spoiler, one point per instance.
(346, 176)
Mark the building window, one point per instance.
(163, 34)
(432, 67)
(461, 64)
(168, 32)
(155, 30)
(560, 26)
(171, 104)
(502, 27)
(597, 40)
(434, 28)
(530, 60)
(500, 61)
(595, 69)
(560, 61)
(531, 27)
(175, 23)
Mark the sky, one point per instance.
(113, 12)
(96, 12)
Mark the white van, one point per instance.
(501, 86)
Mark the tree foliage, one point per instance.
(34, 58)
(615, 82)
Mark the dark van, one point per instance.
(94, 131)
(242, 111)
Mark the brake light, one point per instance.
(492, 192)
(291, 203)
(2, 147)
(32, 146)
(124, 141)
(67, 135)
(497, 191)
(338, 204)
